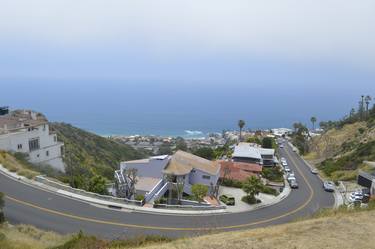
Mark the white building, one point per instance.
(253, 153)
(28, 132)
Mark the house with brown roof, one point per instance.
(238, 170)
(181, 167)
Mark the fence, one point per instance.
(57, 185)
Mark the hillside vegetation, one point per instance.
(340, 151)
(87, 152)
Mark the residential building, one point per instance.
(239, 171)
(28, 132)
(253, 153)
(156, 174)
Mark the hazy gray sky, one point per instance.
(176, 39)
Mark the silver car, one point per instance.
(329, 186)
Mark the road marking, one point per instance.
(104, 222)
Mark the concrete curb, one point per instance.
(125, 207)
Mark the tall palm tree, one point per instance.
(313, 121)
(241, 124)
(367, 100)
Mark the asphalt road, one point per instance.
(30, 205)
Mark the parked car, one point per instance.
(227, 200)
(287, 169)
(284, 164)
(355, 196)
(329, 186)
(314, 171)
(293, 184)
(281, 146)
(283, 159)
(295, 149)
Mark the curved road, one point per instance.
(30, 205)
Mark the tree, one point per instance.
(205, 152)
(367, 100)
(131, 178)
(199, 191)
(313, 121)
(241, 125)
(165, 149)
(180, 184)
(97, 184)
(252, 186)
(181, 144)
(267, 142)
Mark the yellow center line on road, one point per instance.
(104, 222)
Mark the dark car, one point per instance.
(227, 200)
(329, 186)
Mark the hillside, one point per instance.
(331, 229)
(340, 151)
(85, 151)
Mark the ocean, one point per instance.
(117, 107)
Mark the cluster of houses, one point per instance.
(28, 132)
(154, 175)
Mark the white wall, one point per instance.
(10, 142)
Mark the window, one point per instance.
(44, 127)
(19, 146)
(55, 138)
(37, 155)
(206, 177)
(34, 144)
(47, 153)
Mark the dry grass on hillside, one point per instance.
(330, 143)
(10, 162)
(28, 237)
(342, 231)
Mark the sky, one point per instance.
(316, 50)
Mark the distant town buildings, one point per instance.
(28, 132)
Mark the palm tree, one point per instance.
(367, 100)
(313, 121)
(241, 124)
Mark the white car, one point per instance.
(284, 164)
(355, 197)
(283, 159)
(287, 169)
(291, 178)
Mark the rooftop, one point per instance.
(239, 171)
(20, 119)
(247, 151)
(181, 163)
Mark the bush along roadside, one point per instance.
(2, 217)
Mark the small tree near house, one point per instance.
(199, 191)
(252, 186)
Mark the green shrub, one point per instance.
(231, 183)
(139, 197)
(273, 174)
(250, 200)
(269, 191)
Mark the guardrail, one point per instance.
(57, 185)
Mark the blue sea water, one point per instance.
(119, 107)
